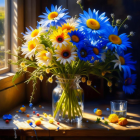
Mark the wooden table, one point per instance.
(88, 128)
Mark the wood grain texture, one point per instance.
(91, 138)
(11, 97)
(7, 82)
(87, 128)
(30, 19)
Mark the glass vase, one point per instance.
(67, 100)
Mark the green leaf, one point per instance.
(18, 74)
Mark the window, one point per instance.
(4, 35)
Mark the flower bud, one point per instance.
(25, 69)
(132, 33)
(41, 77)
(78, 1)
(118, 21)
(129, 17)
(109, 83)
(50, 79)
(47, 70)
(39, 64)
(103, 73)
(89, 82)
(22, 64)
(83, 79)
(112, 15)
(125, 26)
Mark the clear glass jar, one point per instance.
(119, 107)
(67, 100)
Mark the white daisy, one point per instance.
(44, 57)
(34, 33)
(118, 62)
(30, 47)
(65, 54)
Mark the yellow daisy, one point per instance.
(65, 54)
(22, 64)
(50, 79)
(47, 70)
(59, 38)
(41, 77)
(44, 57)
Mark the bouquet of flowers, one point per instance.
(72, 47)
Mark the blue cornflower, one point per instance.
(124, 62)
(23, 105)
(116, 41)
(102, 118)
(55, 17)
(84, 52)
(77, 37)
(128, 85)
(92, 22)
(98, 48)
(19, 111)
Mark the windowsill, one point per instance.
(6, 80)
(6, 75)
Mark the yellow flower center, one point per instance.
(93, 24)
(115, 39)
(75, 38)
(96, 51)
(50, 79)
(52, 15)
(31, 45)
(68, 27)
(43, 56)
(34, 33)
(41, 77)
(122, 60)
(47, 70)
(22, 64)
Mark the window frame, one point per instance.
(7, 29)
(15, 18)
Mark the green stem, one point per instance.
(77, 104)
(81, 6)
(66, 105)
(74, 104)
(59, 103)
(122, 24)
(69, 105)
(113, 22)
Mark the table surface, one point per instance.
(88, 127)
